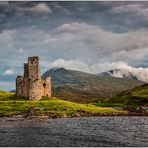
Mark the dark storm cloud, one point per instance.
(114, 16)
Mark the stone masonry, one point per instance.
(30, 84)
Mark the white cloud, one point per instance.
(92, 42)
(127, 8)
(61, 8)
(102, 67)
(21, 50)
(94, 34)
(81, 66)
(7, 35)
(41, 8)
(140, 73)
(7, 38)
(9, 72)
(134, 10)
(69, 64)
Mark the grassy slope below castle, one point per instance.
(10, 105)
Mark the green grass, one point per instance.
(108, 104)
(10, 105)
(137, 96)
(4, 96)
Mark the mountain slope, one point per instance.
(83, 87)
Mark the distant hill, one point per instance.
(84, 87)
(135, 96)
(13, 91)
(121, 73)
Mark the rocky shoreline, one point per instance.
(77, 114)
(36, 112)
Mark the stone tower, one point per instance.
(30, 84)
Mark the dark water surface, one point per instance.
(92, 131)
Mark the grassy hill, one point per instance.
(53, 107)
(83, 87)
(137, 96)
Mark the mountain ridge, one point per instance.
(80, 86)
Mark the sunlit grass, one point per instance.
(9, 105)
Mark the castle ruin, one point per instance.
(30, 84)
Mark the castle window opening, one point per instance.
(44, 85)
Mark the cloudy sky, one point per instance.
(87, 36)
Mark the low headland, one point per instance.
(11, 106)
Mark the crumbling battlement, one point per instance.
(30, 84)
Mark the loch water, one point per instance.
(81, 131)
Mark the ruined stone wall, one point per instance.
(33, 68)
(46, 87)
(39, 88)
(26, 81)
(19, 86)
(30, 84)
(35, 90)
